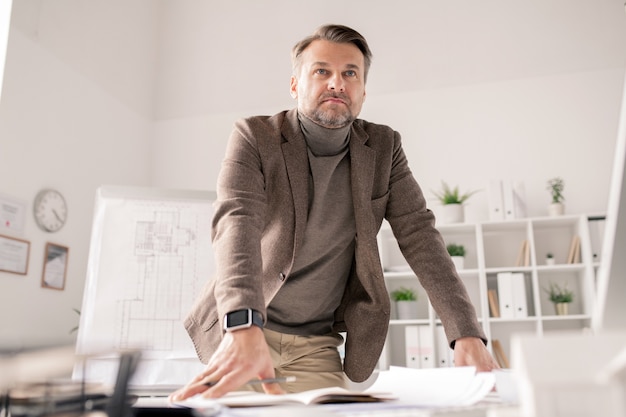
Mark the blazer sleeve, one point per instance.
(422, 245)
(238, 223)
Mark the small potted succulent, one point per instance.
(549, 258)
(452, 201)
(457, 253)
(406, 303)
(556, 186)
(561, 296)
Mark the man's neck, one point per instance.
(324, 141)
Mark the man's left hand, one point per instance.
(471, 351)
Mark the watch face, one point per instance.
(50, 210)
(237, 318)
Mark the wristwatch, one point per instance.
(242, 319)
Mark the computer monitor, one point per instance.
(610, 306)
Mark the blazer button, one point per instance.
(281, 276)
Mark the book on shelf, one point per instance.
(419, 347)
(520, 302)
(427, 347)
(411, 347)
(513, 196)
(573, 256)
(523, 257)
(505, 295)
(496, 200)
(499, 354)
(445, 354)
(493, 303)
(513, 302)
(596, 235)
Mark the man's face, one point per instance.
(330, 83)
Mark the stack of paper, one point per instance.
(428, 388)
(437, 387)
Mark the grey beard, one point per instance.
(331, 121)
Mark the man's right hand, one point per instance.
(241, 356)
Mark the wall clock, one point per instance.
(50, 210)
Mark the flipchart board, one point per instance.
(150, 254)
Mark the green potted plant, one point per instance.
(452, 200)
(561, 296)
(457, 253)
(75, 328)
(549, 258)
(406, 303)
(556, 186)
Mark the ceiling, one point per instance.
(241, 49)
(184, 58)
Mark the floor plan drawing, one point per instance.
(150, 256)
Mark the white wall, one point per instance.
(482, 90)
(530, 130)
(61, 127)
(5, 22)
(145, 93)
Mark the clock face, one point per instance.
(50, 210)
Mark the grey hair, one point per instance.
(333, 33)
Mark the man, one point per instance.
(301, 197)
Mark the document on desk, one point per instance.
(423, 388)
(332, 395)
(436, 387)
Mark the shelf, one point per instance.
(513, 320)
(493, 248)
(468, 272)
(399, 275)
(567, 317)
(395, 322)
(561, 267)
(456, 228)
(508, 269)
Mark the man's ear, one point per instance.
(293, 88)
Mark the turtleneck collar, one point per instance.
(323, 141)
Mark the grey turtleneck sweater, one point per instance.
(306, 303)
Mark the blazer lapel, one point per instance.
(362, 160)
(297, 163)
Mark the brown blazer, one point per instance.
(259, 223)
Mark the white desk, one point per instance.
(491, 407)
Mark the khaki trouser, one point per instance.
(313, 360)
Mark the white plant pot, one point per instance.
(459, 262)
(561, 309)
(550, 261)
(453, 213)
(406, 310)
(556, 209)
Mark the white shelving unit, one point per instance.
(492, 248)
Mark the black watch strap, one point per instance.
(242, 319)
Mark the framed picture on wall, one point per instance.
(54, 266)
(14, 255)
